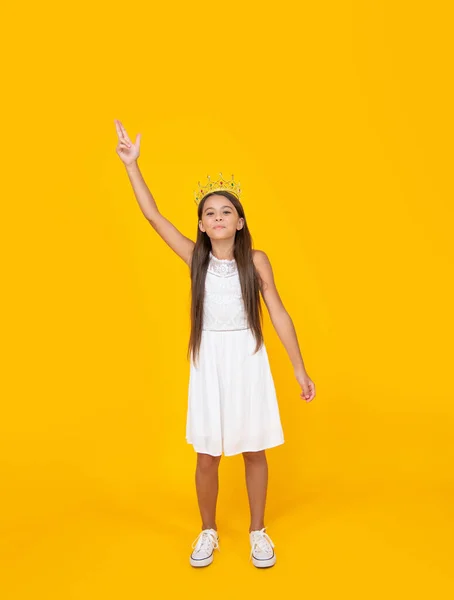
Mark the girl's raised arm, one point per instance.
(129, 153)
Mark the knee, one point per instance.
(254, 457)
(207, 461)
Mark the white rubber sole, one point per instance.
(268, 562)
(202, 562)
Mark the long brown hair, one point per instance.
(249, 277)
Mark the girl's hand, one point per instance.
(307, 386)
(126, 150)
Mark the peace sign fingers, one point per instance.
(126, 150)
(121, 132)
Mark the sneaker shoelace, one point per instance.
(206, 540)
(261, 541)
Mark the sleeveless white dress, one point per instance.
(232, 403)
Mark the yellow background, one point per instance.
(337, 119)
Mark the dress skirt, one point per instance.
(232, 403)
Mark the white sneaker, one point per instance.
(262, 552)
(204, 546)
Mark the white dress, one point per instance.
(232, 403)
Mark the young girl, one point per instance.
(232, 404)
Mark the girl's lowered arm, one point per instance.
(281, 320)
(283, 323)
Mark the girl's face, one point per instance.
(220, 219)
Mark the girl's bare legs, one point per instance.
(207, 485)
(256, 468)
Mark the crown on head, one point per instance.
(215, 186)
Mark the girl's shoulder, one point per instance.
(259, 257)
(267, 283)
(262, 264)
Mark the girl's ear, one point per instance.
(201, 226)
(240, 223)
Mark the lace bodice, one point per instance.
(223, 307)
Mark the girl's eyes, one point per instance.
(226, 212)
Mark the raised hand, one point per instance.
(126, 150)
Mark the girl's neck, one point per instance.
(222, 253)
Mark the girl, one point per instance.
(232, 404)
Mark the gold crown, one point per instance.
(221, 184)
